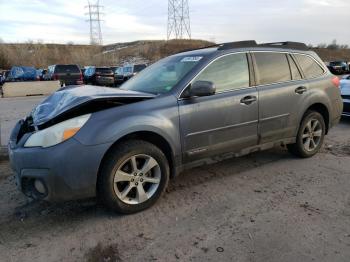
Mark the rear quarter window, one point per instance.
(309, 66)
(272, 67)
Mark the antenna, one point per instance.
(94, 15)
(178, 19)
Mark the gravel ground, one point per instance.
(268, 206)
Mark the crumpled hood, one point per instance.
(67, 99)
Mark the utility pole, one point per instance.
(179, 25)
(94, 15)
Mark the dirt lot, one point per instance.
(268, 206)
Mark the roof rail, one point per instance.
(239, 44)
(288, 44)
(252, 43)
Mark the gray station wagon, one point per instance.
(186, 110)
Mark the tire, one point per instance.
(126, 189)
(310, 136)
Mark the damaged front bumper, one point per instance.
(63, 172)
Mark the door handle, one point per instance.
(248, 100)
(300, 90)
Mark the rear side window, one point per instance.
(227, 73)
(66, 69)
(272, 68)
(309, 66)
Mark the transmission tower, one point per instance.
(94, 15)
(178, 19)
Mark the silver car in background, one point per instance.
(345, 93)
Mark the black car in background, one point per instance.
(101, 76)
(66, 74)
(338, 67)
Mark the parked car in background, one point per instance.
(338, 67)
(22, 73)
(66, 74)
(345, 93)
(183, 111)
(126, 72)
(119, 76)
(131, 70)
(100, 76)
(114, 68)
(41, 73)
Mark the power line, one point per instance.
(179, 25)
(94, 15)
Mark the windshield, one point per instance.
(162, 76)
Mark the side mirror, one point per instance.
(202, 88)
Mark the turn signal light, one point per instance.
(68, 133)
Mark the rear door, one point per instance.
(226, 121)
(281, 90)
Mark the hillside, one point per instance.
(42, 55)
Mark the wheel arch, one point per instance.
(323, 110)
(151, 137)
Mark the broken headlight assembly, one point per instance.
(58, 133)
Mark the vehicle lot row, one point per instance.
(73, 74)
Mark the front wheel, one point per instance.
(310, 135)
(133, 176)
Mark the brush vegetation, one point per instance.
(42, 55)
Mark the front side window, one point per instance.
(227, 73)
(272, 68)
(309, 66)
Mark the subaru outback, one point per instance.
(186, 110)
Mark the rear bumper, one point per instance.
(101, 81)
(68, 170)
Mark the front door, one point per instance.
(224, 122)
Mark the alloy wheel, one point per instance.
(312, 135)
(137, 179)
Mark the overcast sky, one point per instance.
(62, 21)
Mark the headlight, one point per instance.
(58, 133)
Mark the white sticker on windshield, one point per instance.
(192, 59)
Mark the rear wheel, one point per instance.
(133, 177)
(310, 135)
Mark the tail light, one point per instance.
(336, 81)
(55, 77)
(81, 77)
